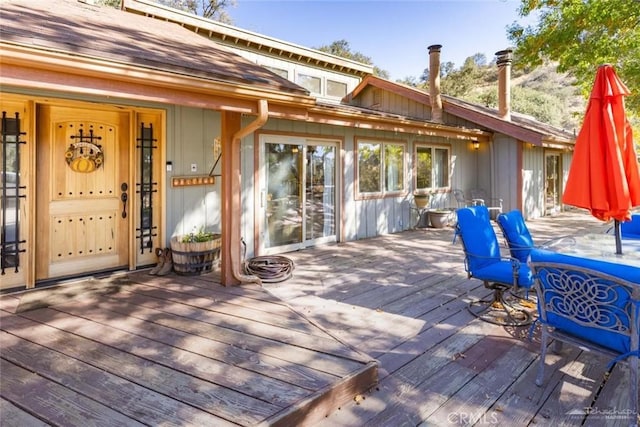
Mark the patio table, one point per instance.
(597, 246)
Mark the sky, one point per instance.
(394, 34)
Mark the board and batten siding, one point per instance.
(190, 136)
(382, 100)
(533, 182)
(393, 214)
(565, 164)
(505, 171)
(191, 132)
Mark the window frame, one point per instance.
(282, 72)
(433, 147)
(329, 81)
(300, 75)
(383, 168)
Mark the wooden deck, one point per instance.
(145, 350)
(186, 351)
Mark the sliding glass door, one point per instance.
(298, 200)
(553, 183)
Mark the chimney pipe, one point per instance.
(504, 83)
(434, 83)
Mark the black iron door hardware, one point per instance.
(124, 197)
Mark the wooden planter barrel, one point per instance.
(193, 259)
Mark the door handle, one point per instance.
(124, 197)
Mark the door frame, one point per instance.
(557, 203)
(158, 116)
(262, 194)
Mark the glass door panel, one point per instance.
(300, 187)
(320, 192)
(552, 183)
(284, 198)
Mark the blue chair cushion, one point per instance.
(484, 260)
(478, 237)
(631, 229)
(517, 234)
(607, 339)
(502, 272)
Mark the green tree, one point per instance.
(460, 82)
(210, 9)
(581, 35)
(342, 49)
(110, 3)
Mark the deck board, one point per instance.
(159, 351)
(308, 351)
(490, 370)
(131, 399)
(56, 403)
(229, 356)
(14, 416)
(223, 402)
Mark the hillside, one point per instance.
(542, 93)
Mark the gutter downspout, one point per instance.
(236, 271)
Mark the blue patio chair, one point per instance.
(516, 234)
(483, 261)
(479, 197)
(591, 304)
(461, 200)
(631, 229)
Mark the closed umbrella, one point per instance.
(604, 176)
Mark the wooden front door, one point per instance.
(83, 191)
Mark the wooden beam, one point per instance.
(230, 196)
(496, 124)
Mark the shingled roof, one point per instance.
(84, 30)
(520, 127)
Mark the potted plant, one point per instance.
(195, 253)
(440, 218)
(421, 200)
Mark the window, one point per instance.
(432, 167)
(279, 71)
(313, 84)
(337, 89)
(380, 167)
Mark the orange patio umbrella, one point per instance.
(604, 176)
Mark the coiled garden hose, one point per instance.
(269, 268)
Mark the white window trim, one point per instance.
(382, 193)
(433, 147)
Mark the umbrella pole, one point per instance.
(616, 230)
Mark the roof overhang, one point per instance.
(515, 130)
(506, 127)
(494, 123)
(246, 39)
(348, 116)
(36, 68)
